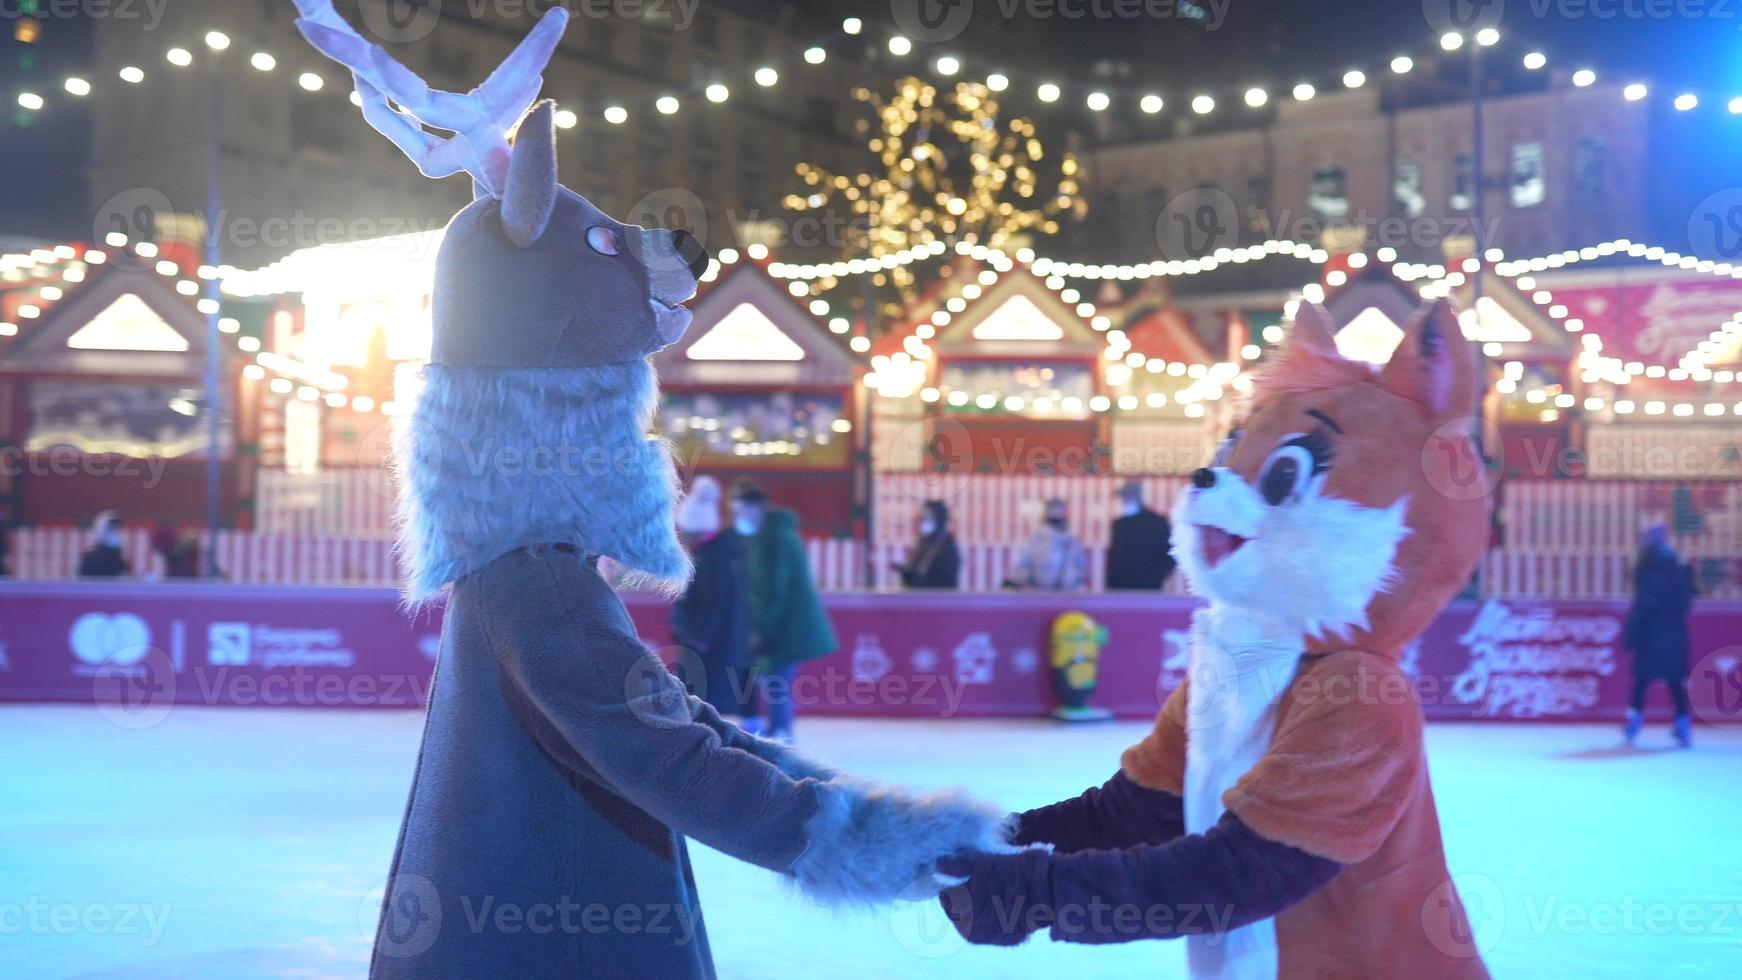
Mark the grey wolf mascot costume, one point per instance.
(562, 767)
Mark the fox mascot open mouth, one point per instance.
(1279, 817)
(562, 766)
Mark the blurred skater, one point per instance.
(934, 561)
(1053, 560)
(103, 557)
(1138, 557)
(1657, 631)
(789, 624)
(713, 616)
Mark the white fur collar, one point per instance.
(498, 459)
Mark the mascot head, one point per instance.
(531, 426)
(1348, 505)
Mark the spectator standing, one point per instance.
(1138, 557)
(789, 624)
(713, 616)
(1053, 560)
(1657, 631)
(103, 557)
(934, 562)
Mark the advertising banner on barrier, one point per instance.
(139, 649)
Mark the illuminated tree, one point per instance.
(949, 168)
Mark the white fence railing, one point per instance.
(1531, 572)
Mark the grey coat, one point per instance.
(561, 769)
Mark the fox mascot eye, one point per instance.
(1291, 466)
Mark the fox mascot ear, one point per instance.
(1310, 352)
(530, 194)
(1433, 365)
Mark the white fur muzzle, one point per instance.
(1313, 564)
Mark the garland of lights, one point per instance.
(1210, 381)
(1096, 97)
(69, 266)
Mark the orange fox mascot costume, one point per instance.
(1279, 816)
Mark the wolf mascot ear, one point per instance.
(530, 194)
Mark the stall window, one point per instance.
(1588, 160)
(1406, 189)
(1463, 194)
(1529, 186)
(1328, 200)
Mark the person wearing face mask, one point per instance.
(788, 622)
(1053, 560)
(934, 562)
(1138, 557)
(713, 616)
(103, 558)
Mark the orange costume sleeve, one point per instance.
(1159, 761)
(1345, 763)
(1342, 768)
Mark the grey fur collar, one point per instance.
(495, 459)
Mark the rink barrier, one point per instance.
(138, 650)
(1535, 571)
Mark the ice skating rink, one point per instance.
(246, 843)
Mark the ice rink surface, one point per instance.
(246, 842)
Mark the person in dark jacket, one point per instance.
(1138, 557)
(935, 562)
(790, 625)
(712, 617)
(103, 559)
(1657, 631)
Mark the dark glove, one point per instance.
(1005, 899)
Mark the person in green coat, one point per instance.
(789, 625)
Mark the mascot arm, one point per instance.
(1141, 804)
(782, 756)
(1222, 879)
(1119, 813)
(609, 708)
